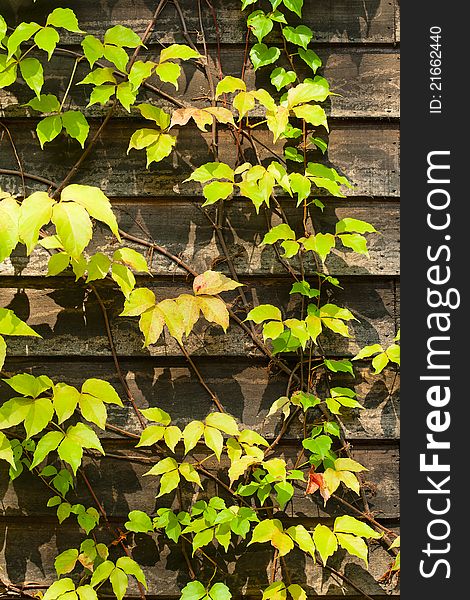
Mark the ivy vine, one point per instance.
(47, 427)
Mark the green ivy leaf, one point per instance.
(139, 522)
(295, 6)
(28, 385)
(311, 58)
(354, 545)
(130, 567)
(192, 434)
(212, 170)
(349, 225)
(261, 55)
(279, 232)
(132, 259)
(65, 562)
(9, 226)
(122, 37)
(116, 55)
(260, 24)
(321, 243)
(6, 452)
(302, 538)
(356, 242)
(325, 542)
(154, 113)
(347, 524)
(76, 438)
(139, 301)
(10, 324)
(264, 312)
(73, 227)
(93, 49)
(300, 35)
(168, 72)
(312, 114)
(59, 588)
(320, 144)
(119, 582)
(33, 74)
(219, 591)
(281, 78)
(228, 85)
(343, 366)
(64, 400)
(161, 148)
(48, 129)
(101, 94)
(217, 190)
(46, 103)
(22, 33)
(47, 39)
(194, 590)
(379, 362)
(65, 18)
(98, 267)
(93, 200)
(76, 125)
(178, 51)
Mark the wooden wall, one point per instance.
(358, 42)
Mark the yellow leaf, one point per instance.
(214, 440)
(151, 324)
(214, 310)
(190, 311)
(173, 316)
(192, 434)
(213, 283)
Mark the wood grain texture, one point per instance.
(29, 550)
(369, 21)
(71, 323)
(366, 152)
(246, 388)
(366, 81)
(182, 228)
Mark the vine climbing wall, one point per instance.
(357, 41)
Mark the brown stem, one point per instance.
(212, 394)
(31, 176)
(73, 171)
(348, 581)
(115, 357)
(17, 158)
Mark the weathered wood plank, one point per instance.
(183, 229)
(246, 389)
(29, 552)
(366, 81)
(369, 21)
(366, 152)
(120, 487)
(71, 323)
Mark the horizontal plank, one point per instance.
(71, 324)
(183, 229)
(246, 388)
(119, 485)
(29, 552)
(366, 152)
(366, 81)
(369, 21)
